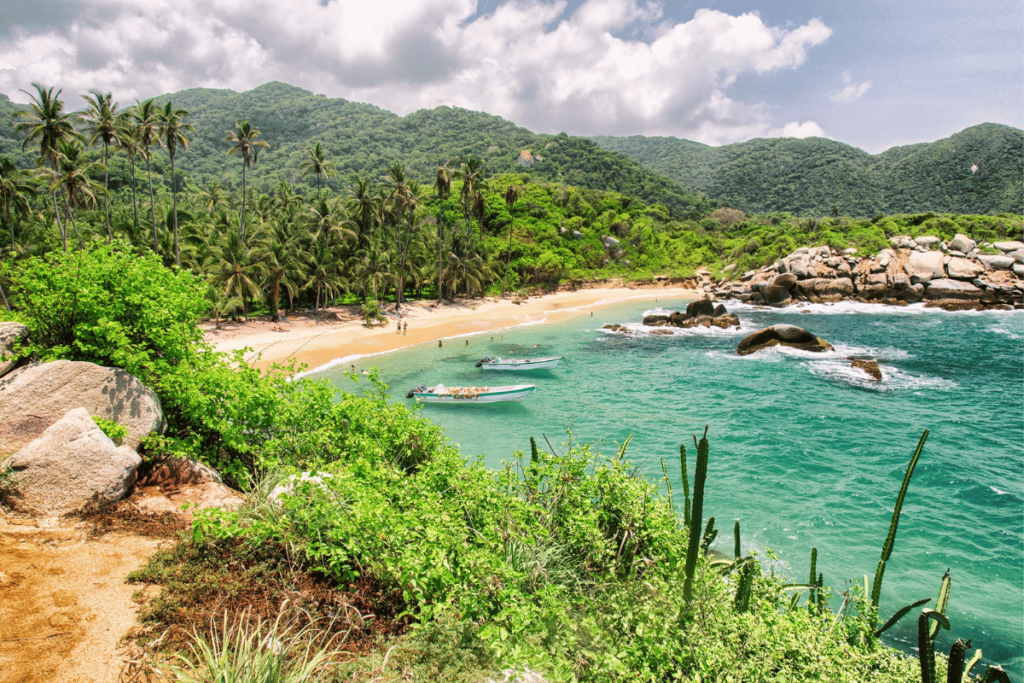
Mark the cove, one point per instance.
(805, 451)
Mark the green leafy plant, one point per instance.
(116, 432)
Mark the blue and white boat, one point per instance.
(464, 395)
(518, 364)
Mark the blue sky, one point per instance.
(872, 74)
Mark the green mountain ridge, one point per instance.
(810, 176)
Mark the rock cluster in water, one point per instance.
(699, 313)
(782, 335)
(954, 275)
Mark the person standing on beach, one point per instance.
(405, 328)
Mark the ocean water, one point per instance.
(805, 451)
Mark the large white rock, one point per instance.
(929, 262)
(962, 243)
(952, 289)
(70, 465)
(10, 333)
(1018, 255)
(1009, 246)
(34, 397)
(962, 269)
(927, 240)
(995, 262)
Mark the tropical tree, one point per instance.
(511, 197)
(173, 129)
(145, 118)
(443, 188)
(14, 193)
(316, 162)
(325, 275)
(129, 141)
(365, 206)
(212, 196)
(471, 173)
(282, 257)
(374, 264)
(101, 123)
(46, 123)
(238, 270)
(246, 142)
(72, 177)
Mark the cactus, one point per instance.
(955, 667)
(926, 644)
(686, 485)
(534, 454)
(811, 601)
(736, 539)
(941, 602)
(693, 547)
(668, 482)
(710, 534)
(742, 601)
(890, 539)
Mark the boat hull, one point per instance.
(524, 365)
(474, 395)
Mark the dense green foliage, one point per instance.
(812, 176)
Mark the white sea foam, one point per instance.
(998, 492)
(893, 378)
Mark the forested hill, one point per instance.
(364, 140)
(811, 176)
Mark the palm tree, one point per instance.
(471, 173)
(128, 138)
(283, 258)
(443, 187)
(366, 208)
(13, 191)
(247, 143)
(212, 196)
(72, 178)
(403, 200)
(238, 270)
(511, 197)
(145, 117)
(100, 122)
(374, 264)
(325, 273)
(46, 123)
(316, 162)
(173, 128)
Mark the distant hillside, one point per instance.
(811, 176)
(361, 139)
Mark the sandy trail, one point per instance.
(64, 604)
(314, 341)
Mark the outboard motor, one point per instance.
(485, 359)
(412, 392)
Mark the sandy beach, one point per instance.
(338, 332)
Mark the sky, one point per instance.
(870, 73)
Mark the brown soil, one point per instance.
(64, 605)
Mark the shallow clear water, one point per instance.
(805, 451)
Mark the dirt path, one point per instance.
(64, 604)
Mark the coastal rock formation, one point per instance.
(914, 269)
(699, 313)
(868, 366)
(71, 464)
(784, 335)
(198, 496)
(36, 396)
(173, 473)
(10, 334)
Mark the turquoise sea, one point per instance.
(805, 451)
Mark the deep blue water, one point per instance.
(805, 451)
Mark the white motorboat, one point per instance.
(518, 364)
(443, 394)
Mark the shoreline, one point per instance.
(337, 333)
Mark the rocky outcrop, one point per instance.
(36, 396)
(174, 473)
(870, 367)
(10, 334)
(70, 465)
(699, 313)
(909, 272)
(782, 335)
(197, 496)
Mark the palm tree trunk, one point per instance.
(106, 189)
(152, 204)
(135, 201)
(277, 293)
(71, 219)
(10, 223)
(242, 228)
(60, 225)
(3, 296)
(174, 200)
(508, 259)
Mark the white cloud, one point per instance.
(852, 91)
(534, 62)
(795, 129)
